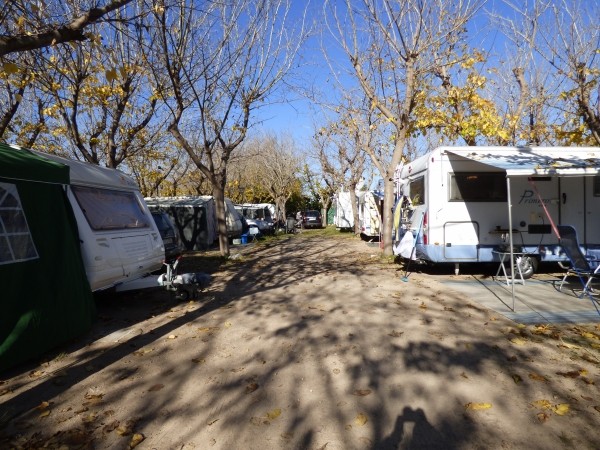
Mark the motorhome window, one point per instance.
(478, 187)
(417, 191)
(111, 210)
(16, 243)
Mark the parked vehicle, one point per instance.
(169, 235)
(344, 219)
(312, 219)
(468, 202)
(119, 239)
(258, 215)
(370, 208)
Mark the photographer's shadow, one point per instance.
(412, 430)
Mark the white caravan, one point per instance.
(120, 242)
(370, 208)
(344, 219)
(461, 203)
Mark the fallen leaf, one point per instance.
(271, 415)
(199, 360)
(360, 419)
(227, 324)
(126, 429)
(396, 333)
(362, 392)
(172, 336)
(518, 341)
(478, 406)
(423, 305)
(572, 373)
(42, 406)
(516, 378)
(136, 439)
(156, 387)
(537, 377)
(45, 413)
(542, 404)
(251, 388)
(561, 409)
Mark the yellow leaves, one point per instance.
(560, 409)
(477, 406)
(10, 68)
(136, 439)
(111, 75)
(537, 377)
(44, 409)
(267, 418)
(518, 341)
(271, 415)
(360, 420)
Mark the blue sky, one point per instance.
(297, 115)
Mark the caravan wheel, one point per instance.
(528, 265)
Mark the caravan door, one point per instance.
(572, 205)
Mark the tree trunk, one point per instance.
(388, 214)
(221, 213)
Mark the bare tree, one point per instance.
(565, 35)
(215, 65)
(26, 26)
(343, 145)
(391, 47)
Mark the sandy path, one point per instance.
(310, 343)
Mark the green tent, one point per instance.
(46, 298)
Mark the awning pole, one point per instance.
(510, 241)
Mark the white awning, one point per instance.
(536, 161)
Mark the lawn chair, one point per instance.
(290, 225)
(581, 266)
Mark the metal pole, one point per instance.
(510, 241)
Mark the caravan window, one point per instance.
(106, 210)
(478, 187)
(16, 243)
(417, 191)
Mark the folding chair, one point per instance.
(580, 264)
(253, 232)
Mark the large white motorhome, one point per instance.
(120, 242)
(461, 203)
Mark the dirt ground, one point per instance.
(308, 342)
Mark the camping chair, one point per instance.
(253, 232)
(580, 264)
(290, 225)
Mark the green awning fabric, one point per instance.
(22, 164)
(46, 297)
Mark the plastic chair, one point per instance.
(580, 264)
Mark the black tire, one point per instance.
(528, 264)
(182, 295)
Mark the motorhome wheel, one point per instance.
(528, 265)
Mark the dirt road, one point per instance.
(309, 342)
